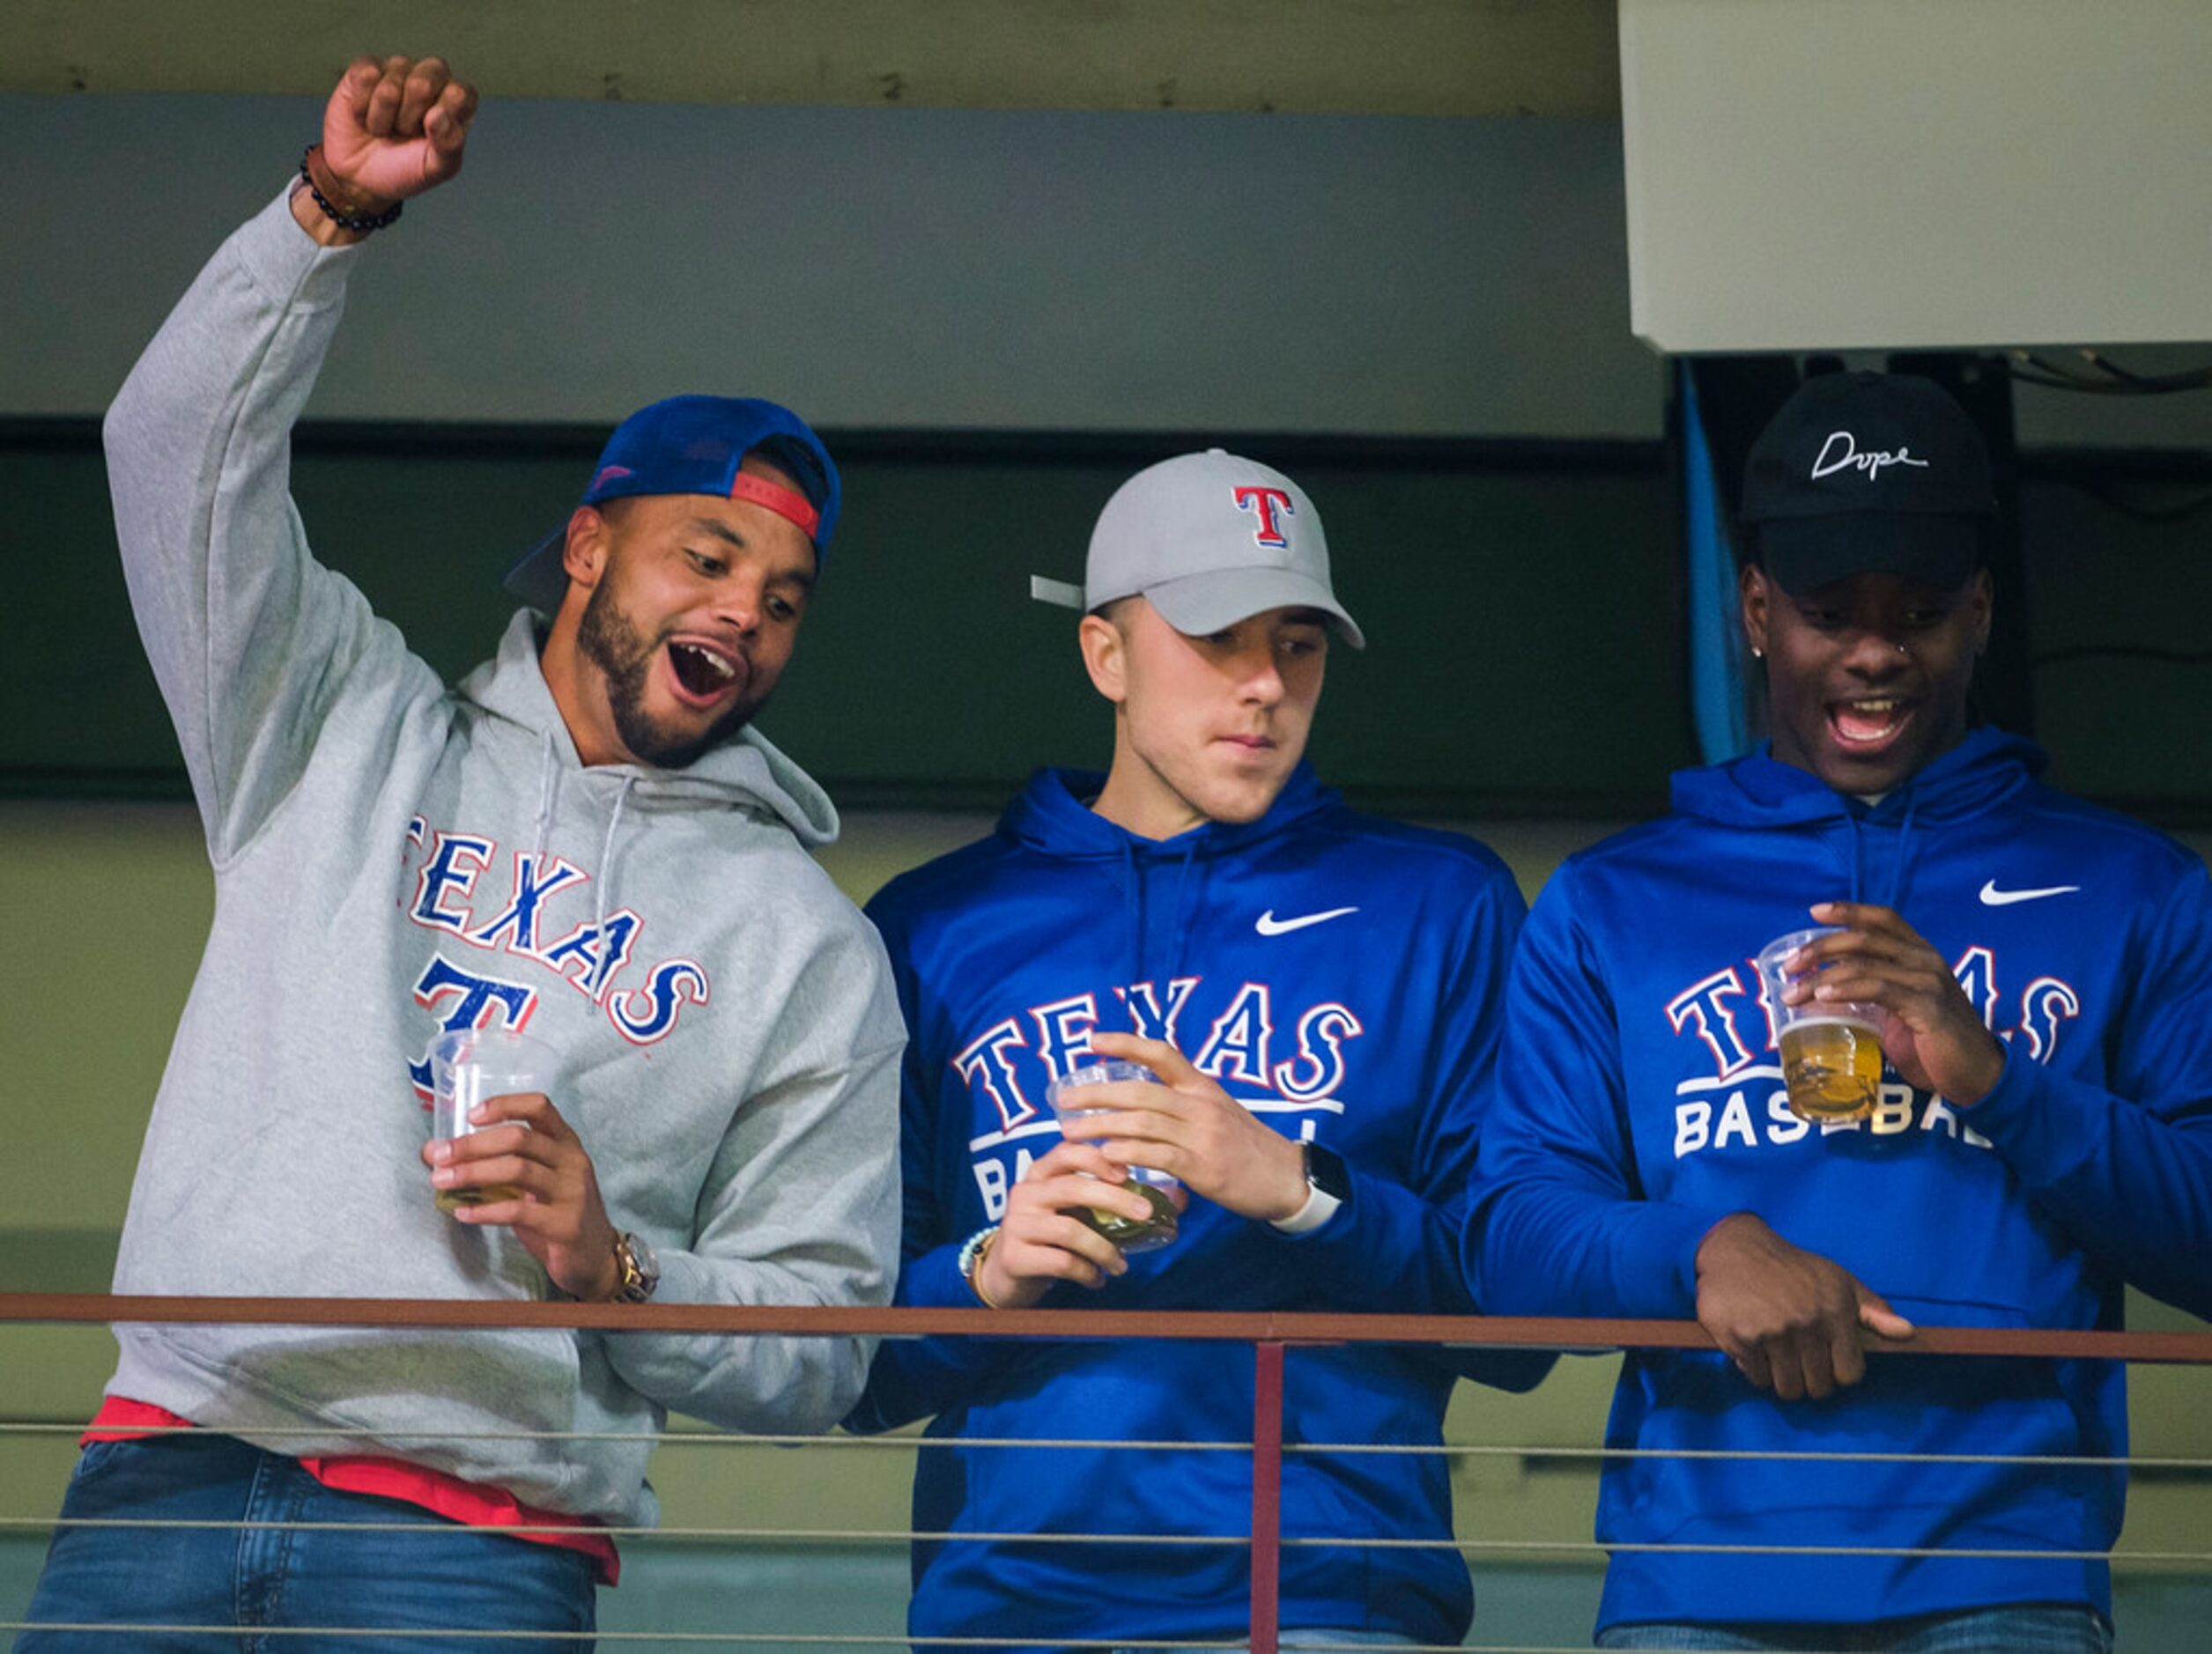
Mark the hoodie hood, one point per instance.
(1759, 790)
(748, 771)
(1161, 883)
(1053, 816)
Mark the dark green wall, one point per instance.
(1521, 604)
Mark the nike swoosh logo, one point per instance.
(1269, 925)
(1992, 897)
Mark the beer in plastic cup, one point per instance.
(468, 1065)
(1831, 1049)
(1156, 1186)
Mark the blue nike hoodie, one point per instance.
(1641, 1101)
(1340, 976)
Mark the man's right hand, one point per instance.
(1041, 1240)
(392, 129)
(1788, 1318)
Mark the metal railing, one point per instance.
(1269, 1335)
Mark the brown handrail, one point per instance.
(1477, 1331)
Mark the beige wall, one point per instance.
(118, 898)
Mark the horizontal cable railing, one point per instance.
(1270, 1334)
(1478, 1332)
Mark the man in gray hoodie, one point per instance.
(584, 837)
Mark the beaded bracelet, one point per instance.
(345, 221)
(970, 1262)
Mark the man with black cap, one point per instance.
(1306, 997)
(585, 838)
(2039, 972)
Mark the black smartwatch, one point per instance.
(1327, 1187)
(1325, 1170)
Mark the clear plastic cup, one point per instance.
(1158, 1187)
(468, 1065)
(1831, 1049)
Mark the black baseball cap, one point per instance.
(1869, 472)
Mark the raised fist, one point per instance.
(392, 129)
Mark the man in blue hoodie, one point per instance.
(2041, 972)
(1316, 993)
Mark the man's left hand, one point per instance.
(1190, 1128)
(522, 1141)
(1931, 1032)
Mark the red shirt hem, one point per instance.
(470, 1504)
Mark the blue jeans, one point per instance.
(221, 1583)
(2030, 1628)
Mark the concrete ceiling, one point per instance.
(1416, 57)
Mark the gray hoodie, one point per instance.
(394, 857)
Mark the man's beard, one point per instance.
(611, 641)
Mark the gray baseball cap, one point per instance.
(1209, 540)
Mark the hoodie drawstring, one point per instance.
(548, 792)
(1895, 898)
(606, 858)
(1134, 911)
(548, 787)
(1186, 892)
(1895, 890)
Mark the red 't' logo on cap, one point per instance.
(1263, 503)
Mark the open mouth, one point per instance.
(703, 674)
(1868, 722)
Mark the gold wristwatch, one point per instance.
(640, 1269)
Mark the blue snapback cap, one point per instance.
(696, 445)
